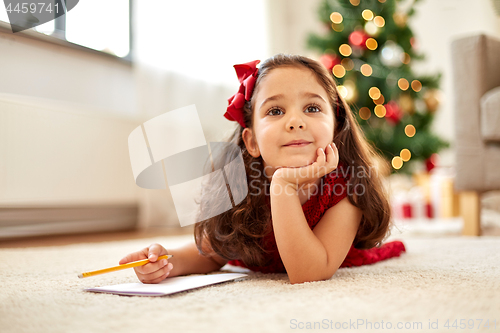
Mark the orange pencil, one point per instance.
(120, 267)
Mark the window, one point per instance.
(96, 24)
(199, 38)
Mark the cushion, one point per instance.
(490, 115)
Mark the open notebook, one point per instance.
(167, 286)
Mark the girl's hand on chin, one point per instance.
(324, 164)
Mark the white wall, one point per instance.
(65, 116)
(55, 153)
(290, 22)
(35, 68)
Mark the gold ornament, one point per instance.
(432, 99)
(364, 113)
(352, 92)
(400, 19)
(338, 27)
(347, 63)
(405, 58)
(406, 103)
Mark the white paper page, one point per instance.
(167, 286)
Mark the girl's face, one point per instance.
(292, 118)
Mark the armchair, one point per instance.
(476, 76)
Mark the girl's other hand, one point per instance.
(153, 272)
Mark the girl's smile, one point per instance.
(297, 143)
(292, 118)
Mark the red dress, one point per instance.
(333, 190)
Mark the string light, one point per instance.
(410, 130)
(379, 21)
(374, 93)
(405, 58)
(345, 50)
(356, 38)
(403, 84)
(371, 29)
(399, 19)
(351, 91)
(381, 100)
(366, 70)
(416, 85)
(336, 17)
(347, 63)
(367, 14)
(342, 91)
(338, 27)
(405, 155)
(380, 111)
(339, 71)
(371, 44)
(364, 113)
(397, 162)
(354, 2)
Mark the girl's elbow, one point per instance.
(303, 279)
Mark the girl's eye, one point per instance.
(275, 112)
(314, 109)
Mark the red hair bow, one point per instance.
(247, 75)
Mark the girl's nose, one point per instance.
(295, 121)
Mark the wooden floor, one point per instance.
(93, 237)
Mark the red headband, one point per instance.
(247, 75)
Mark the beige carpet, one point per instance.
(437, 279)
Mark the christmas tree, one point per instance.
(370, 49)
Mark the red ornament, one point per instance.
(329, 60)
(393, 113)
(432, 162)
(358, 38)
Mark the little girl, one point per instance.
(315, 200)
